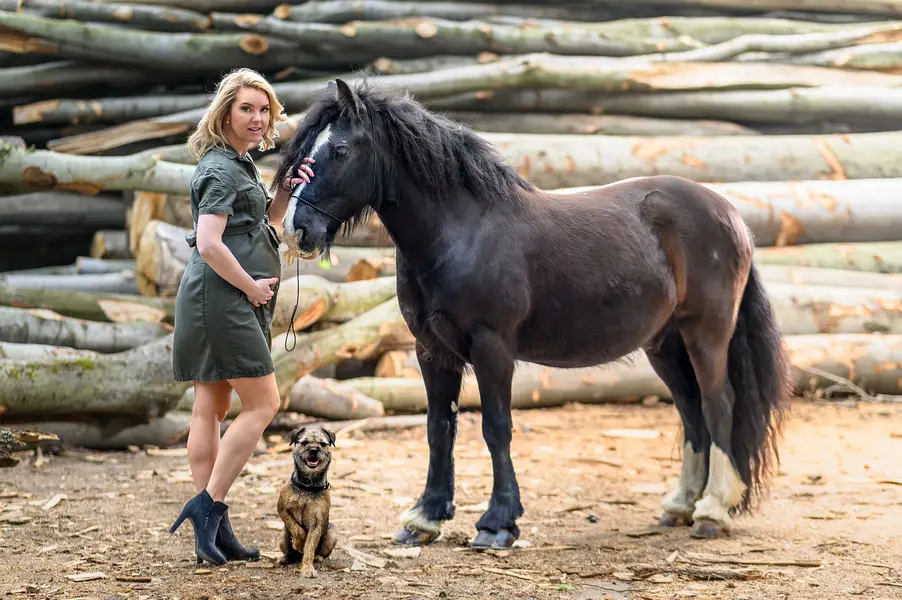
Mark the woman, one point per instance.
(225, 302)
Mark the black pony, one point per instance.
(492, 270)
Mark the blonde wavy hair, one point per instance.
(209, 132)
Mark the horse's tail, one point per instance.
(759, 371)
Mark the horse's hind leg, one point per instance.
(421, 523)
(671, 362)
(707, 337)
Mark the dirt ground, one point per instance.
(831, 529)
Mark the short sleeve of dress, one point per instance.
(216, 192)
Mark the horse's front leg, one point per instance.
(494, 367)
(421, 524)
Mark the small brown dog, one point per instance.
(305, 501)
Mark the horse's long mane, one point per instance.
(441, 155)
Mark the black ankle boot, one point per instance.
(205, 515)
(229, 545)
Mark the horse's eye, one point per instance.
(341, 150)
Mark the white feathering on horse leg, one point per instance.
(681, 501)
(724, 491)
(413, 519)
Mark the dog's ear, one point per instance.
(330, 436)
(296, 435)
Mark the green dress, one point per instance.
(219, 334)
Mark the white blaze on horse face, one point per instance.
(288, 222)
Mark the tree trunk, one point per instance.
(109, 283)
(137, 382)
(110, 243)
(30, 326)
(330, 399)
(46, 170)
(153, 18)
(569, 161)
(19, 440)
(810, 309)
(366, 336)
(871, 361)
(879, 257)
(206, 6)
(341, 11)
(41, 352)
(829, 277)
(103, 110)
(178, 52)
(876, 7)
(88, 305)
(62, 209)
(150, 206)
(594, 124)
(118, 434)
(877, 57)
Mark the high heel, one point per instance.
(205, 515)
(229, 545)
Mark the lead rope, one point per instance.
(297, 301)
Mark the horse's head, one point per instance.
(337, 132)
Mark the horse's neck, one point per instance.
(425, 230)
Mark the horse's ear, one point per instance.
(346, 96)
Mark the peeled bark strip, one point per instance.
(341, 11)
(20, 439)
(88, 305)
(30, 326)
(111, 283)
(118, 434)
(878, 257)
(62, 209)
(137, 382)
(594, 124)
(149, 206)
(179, 52)
(46, 170)
(153, 18)
(870, 361)
(331, 399)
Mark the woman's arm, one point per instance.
(216, 254)
(279, 205)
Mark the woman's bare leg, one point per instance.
(212, 401)
(259, 404)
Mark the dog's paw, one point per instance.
(308, 572)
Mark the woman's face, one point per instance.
(248, 118)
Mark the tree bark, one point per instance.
(136, 382)
(150, 206)
(89, 305)
(118, 433)
(177, 52)
(206, 6)
(62, 209)
(829, 277)
(110, 243)
(20, 439)
(594, 124)
(31, 326)
(153, 18)
(122, 282)
(812, 309)
(89, 264)
(871, 361)
(330, 399)
(557, 161)
(878, 257)
(46, 170)
(876, 7)
(341, 11)
(41, 352)
(103, 110)
(60, 76)
(877, 57)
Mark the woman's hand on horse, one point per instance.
(304, 171)
(260, 292)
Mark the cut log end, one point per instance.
(254, 44)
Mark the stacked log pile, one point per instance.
(789, 108)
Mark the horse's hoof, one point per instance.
(672, 520)
(706, 530)
(414, 538)
(487, 540)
